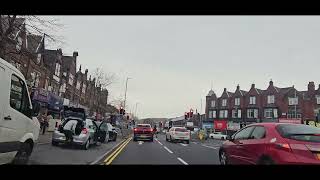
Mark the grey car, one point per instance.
(87, 133)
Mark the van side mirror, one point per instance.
(35, 108)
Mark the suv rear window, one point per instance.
(299, 132)
(144, 125)
(181, 130)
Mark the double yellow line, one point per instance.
(115, 153)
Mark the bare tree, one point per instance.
(11, 25)
(102, 78)
(117, 102)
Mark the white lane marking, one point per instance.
(209, 147)
(183, 144)
(168, 149)
(194, 143)
(181, 160)
(159, 142)
(140, 142)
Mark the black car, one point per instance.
(107, 131)
(113, 133)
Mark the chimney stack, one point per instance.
(311, 86)
(271, 83)
(253, 86)
(86, 72)
(225, 89)
(238, 87)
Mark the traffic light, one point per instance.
(191, 113)
(185, 116)
(122, 111)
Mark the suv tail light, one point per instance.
(135, 129)
(84, 131)
(283, 146)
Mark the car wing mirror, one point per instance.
(229, 138)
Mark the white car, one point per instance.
(178, 134)
(19, 127)
(218, 135)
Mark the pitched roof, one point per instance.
(211, 92)
(230, 93)
(243, 93)
(259, 91)
(34, 43)
(66, 62)
(284, 90)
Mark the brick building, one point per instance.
(50, 75)
(69, 66)
(256, 105)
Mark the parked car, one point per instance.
(218, 135)
(113, 133)
(104, 134)
(19, 127)
(86, 133)
(143, 131)
(178, 134)
(272, 143)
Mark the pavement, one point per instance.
(45, 138)
(161, 152)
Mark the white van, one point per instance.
(19, 130)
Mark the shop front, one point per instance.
(42, 97)
(220, 125)
(207, 125)
(55, 106)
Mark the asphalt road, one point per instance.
(48, 154)
(161, 152)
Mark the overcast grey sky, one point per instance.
(172, 60)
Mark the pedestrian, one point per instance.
(155, 130)
(43, 121)
(69, 129)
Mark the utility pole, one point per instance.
(295, 104)
(125, 94)
(201, 106)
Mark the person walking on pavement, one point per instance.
(69, 129)
(43, 122)
(155, 130)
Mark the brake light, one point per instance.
(284, 146)
(84, 131)
(135, 129)
(317, 156)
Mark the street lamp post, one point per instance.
(125, 94)
(135, 111)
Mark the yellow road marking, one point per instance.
(118, 152)
(114, 152)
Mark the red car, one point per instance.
(143, 131)
(272, 143)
